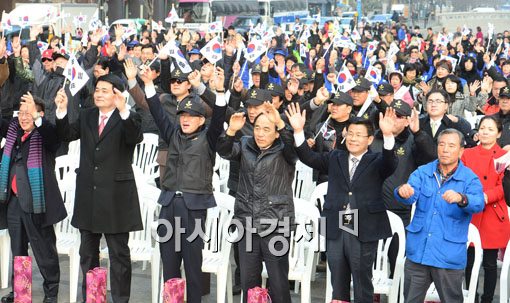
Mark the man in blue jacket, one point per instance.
(446, 193)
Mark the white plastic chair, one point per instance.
(469, 294)
(380, 278)
(318, 195)
(216, 252)
(381, 274)
(68, 237)
(5, 257)
(144, 157)
(74, 149)
(303, 185)
(302, 248)
(222, 166)
(503, 280)
(317, 199)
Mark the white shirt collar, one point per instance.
(108, 115)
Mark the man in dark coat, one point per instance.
(29, 188)
(356, 179)
(106, 195)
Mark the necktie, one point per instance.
(14, 184)
(353, 167)
(102, 124)
(434, 128)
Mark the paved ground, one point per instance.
(141, 286)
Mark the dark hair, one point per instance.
(291, 58)
(39, 103)
(451, 131)
(499, 126)
(103, 62)
(438, 91)
(144, 46)
(410, 67)
(499, 78)
(413, 47)
(456, 80)
(360, 121)
(505, 62)
(383, 71)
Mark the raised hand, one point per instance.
(162, 55)
(95, 37)
(236, 122)
(119, 100)
(264, 63)
(296, 118)
(322, 96)
(219, 79)
(387, 122)
(130, 69)
(119, 31)
(473, 87)
(195, 78)
(406, 191)
(61, 101)
(272, 114)
(293, 85)
(414, 121)
(122, 52)
(28, 100)
(486, 86)
(147, 75)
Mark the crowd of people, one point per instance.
(403, 132)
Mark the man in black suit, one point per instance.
(356, 178)
(106, 195)
(29, 188)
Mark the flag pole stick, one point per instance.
(325, 123)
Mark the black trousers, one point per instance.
(22, 230)
(120, 262)
(348, 256)
(175, 251)
(418, 277)
(277, 267)
(490, 268)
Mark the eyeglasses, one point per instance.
(24, 114)
(415, 51)
(178, 81)
(46, 59)
(436, 101)
(353, 135)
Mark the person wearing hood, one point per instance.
(469, 71)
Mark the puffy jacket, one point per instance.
(438, 232)
(265, 178)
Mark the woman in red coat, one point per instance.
(492, 223)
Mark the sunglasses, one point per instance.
(46, 59)
(178, 81)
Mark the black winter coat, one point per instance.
(265, 178)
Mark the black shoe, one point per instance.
(50, 300)
(9, 298)
(236, 290)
